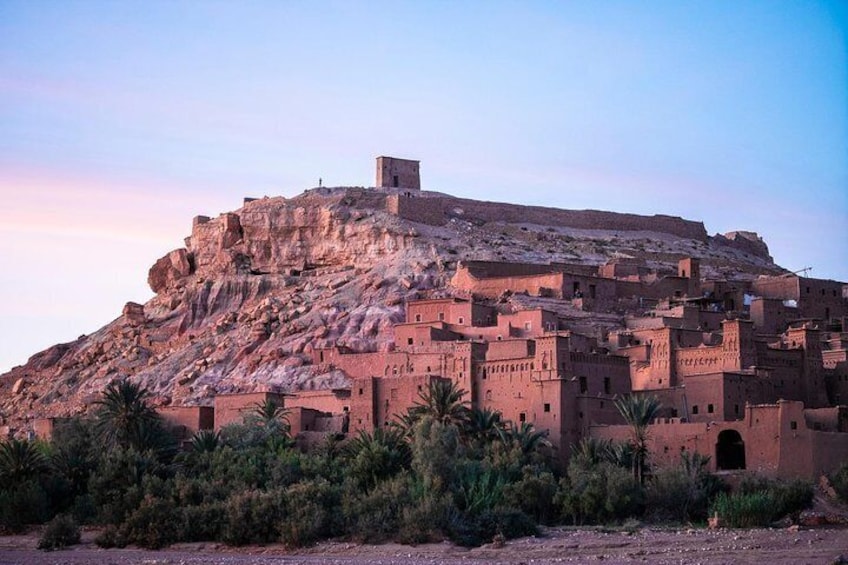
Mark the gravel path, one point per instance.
(558, 545)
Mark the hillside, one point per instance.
(254, 290)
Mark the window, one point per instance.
(736, 409)
(488, 395)
(547, 407)
(793, 425)
(418, 317)
(674, 412)
(409, 341)
(710, 408)
(461, 320)
(584, 386)
(522, 417)
(441, 316)
(361, 392)
(607, 385)
(321, 356)
(695, 409)
(527, 326)
(592, 291)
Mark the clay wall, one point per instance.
(232, 408)
(833, 419)
(332, 401)
(581, 219)
(510, 349)
(776, 441)
(816, 298)
(507, 387)
(662, 288)
(446, 310)
(188, 420)
(397, 173)
(411, 207)
(377, 401)
(44, 428)
(598, 374)
(527, 323)
(771, 316)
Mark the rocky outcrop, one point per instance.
(746, 241)
(255, 290)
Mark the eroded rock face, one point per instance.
(256, 290)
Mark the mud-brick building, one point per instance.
(779, 440)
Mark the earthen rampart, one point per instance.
(437, 210)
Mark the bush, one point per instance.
(110, 537)
(153, 525)
(25, 504)
(252, 517)
(599, 494)
(759, 502)
(474, 530)
(60, 532)
(310, 508)
(744, 510)
(683, 494)
(375, 516)
(534, 495)
(202, 522)
(839, 481)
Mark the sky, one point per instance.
(121, 120)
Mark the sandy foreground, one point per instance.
(556, 545)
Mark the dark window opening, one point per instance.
(409, 341)
(361, 391)
(547, 407)
(522, 417)
(695, 409)
(710, 408)
(793, 425)
(592, 290)
(395, 181)
(418, 317)
(584, 386)
(730, 451)
(321, 356)
(607, 385)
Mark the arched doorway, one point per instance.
(730, 451)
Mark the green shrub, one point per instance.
(745, 510)
(110, 537)
(153, 525)
(473, 530)
(684, 493)
(60, 532)
(375, 516)
(759, 502)
(534, 495)
(252, 517)
(25, 504)
(425, 519)
(310, 508)
(202, 522)
(839, 481)
(599, 494)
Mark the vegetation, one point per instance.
(441, 471)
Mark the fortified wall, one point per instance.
(436, 210)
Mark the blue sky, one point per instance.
(119, 121)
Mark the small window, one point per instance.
(695, 409)
(410, 341)
(527, 326)
(808, 290)
(418, 317)
(710, 408)
(547, 407)
(461, 320)
(793, 425)
(607, 385)
(584, 386)
(488, 395)
(361, 392)
(736, 409)
(522, 417)
(674, 412)
(441, 316)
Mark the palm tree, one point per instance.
(442, 400)
(525, 436)
(19, 460)
(124, 417)
(205, 441)
(270, 414)
(375, 456)
(638, 411)
(484, 425)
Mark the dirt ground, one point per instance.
(556, 545)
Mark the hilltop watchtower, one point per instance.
(398, 173)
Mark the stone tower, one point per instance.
(398, 173)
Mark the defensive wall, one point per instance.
(436, 210)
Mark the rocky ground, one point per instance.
(556, 545)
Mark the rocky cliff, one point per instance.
(241, 306)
